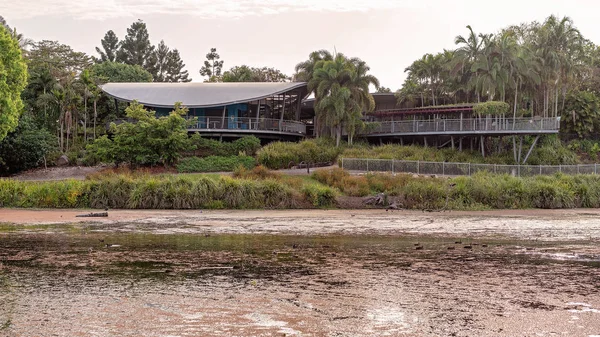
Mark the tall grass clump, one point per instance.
(279, 155)
(360, 186)
(214, 164)
(319, 195)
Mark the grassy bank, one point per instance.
(481, 191)
(549, 151)
(162, 192)
(260, 188)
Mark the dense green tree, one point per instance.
(245, 73)
(212, 66)
(384, 90)
(158, 64)
(167, 65)
(24, 42)
(341, 88)
(305, 70)
(146, 141)
(176, 72)
(25, 148)
(531, 66)
(59, 59)
(581, 114)
(120, 72)
(110, 47)
(136, 48)
(13, 79)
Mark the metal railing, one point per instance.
(489, 124)
(261, 124)
(461, 169)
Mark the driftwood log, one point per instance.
(93, 215)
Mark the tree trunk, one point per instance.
(95, 116)
(85, 118)
(515, 108)
(556, 103)
(62, 142)
(338, 137)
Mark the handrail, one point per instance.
(248, 123)
(491, 124)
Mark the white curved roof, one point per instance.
(198, 95)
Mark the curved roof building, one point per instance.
(267, 110)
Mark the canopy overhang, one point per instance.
(200, 95)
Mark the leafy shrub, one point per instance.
(214, 164)
(25, 148)
(279, 155)
(147, 141)
(248, 145)
(581, 113)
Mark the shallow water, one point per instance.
(106, 280)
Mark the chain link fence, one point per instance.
(460, 169)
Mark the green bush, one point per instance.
(319, 196)
(147, 141)
(26, 148)
(248, 145)
(279, 155)
(214, 164)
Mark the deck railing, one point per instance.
(461, 169)
(471, 125)
(259, 124)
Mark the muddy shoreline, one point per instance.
(573, 224)
(300, 273)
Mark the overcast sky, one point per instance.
(387, 34)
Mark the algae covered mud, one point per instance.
(300, 273)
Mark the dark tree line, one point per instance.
(163, 63)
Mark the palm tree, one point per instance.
(326, 75)
(362, 100)
(305, 70)
(42, 81)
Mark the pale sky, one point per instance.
(387, 34)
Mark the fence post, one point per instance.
(392, 166)
(596, 168)
(577, 168)
(540, 169)
(519, 170)
(367, 165)
(444, 166)
(495, 169)
(418, 167)
(469, 168)
(342, 163)
(560, 168)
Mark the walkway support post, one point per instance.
(223, 118)
(531, 149)
(282, 112)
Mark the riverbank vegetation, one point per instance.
(140, 191)
(259, 188)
